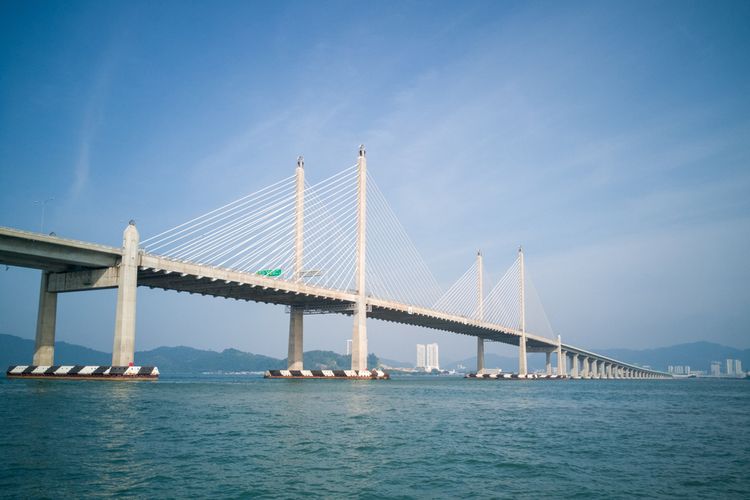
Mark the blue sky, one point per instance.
(611, 139)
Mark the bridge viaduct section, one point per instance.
(70, 266)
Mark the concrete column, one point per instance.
(574, 371)
(296, 314)
(522, 370)
(548, 362)
(295, 354)
(480, 355)
(359, 336)
(562, 359)
(480, 309)
(594, 368)
(585, 367)
(44, 348)
(609, 371)
(123, 350)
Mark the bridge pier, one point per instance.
(548, 362)
(295, 352)
(123, 350)
(480, 355)
(562, 359)
(574, 366)
(44, 348)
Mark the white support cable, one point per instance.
(408, 287)
(152, 242)
(329, 242)
(504, 296)
(545, 327)
(244, 243)
(447, 300)
(218, 235)
(264, 249)
(400, 231)
(240, 236)
(248, 246)
(335, 258)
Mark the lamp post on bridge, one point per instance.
(43, 204)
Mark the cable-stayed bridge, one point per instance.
(334, 246)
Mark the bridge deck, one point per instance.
(61, 255)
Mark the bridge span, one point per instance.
(72, 266)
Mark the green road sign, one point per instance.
(269, 272)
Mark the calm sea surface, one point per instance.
(242, 436)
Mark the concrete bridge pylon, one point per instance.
(123, 350)
(359, 330)
(480, 309)
(296, 314)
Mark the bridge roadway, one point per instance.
(73, 265)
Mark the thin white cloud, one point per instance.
(93, 116)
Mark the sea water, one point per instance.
(410, 437)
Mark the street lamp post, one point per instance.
(44, 207)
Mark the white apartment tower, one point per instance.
(433, 357)
(737, 367)
(428, 356)
(421, 359)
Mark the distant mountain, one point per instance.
(697, 355)
(181, 359)
(392, 363)
(16, 350)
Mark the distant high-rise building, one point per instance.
(679, 369)
(349, 346)
(715, 368)
(433, 357)
(738, 367)
(421, 356)
(730, 367)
